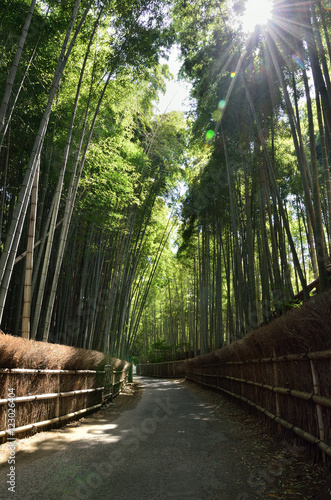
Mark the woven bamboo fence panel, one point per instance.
(37, 399)
(294, 391)
(171, 369)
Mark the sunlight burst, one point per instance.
(256, 13)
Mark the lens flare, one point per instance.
(217, 115)
(233, 74)
(221, 104)
(298, 60)
(209, 135)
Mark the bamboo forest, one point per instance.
(158, 236)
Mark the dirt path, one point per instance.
(164, 439)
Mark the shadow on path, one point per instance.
(172, 440)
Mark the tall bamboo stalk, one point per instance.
(13, 71)
(14, 233)
(71, 197)
(26, 318)
(58, 190)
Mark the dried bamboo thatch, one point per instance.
(16, 352)
(303, 329)
(51, 383)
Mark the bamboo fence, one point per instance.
(294, 391)
(169, 369)
(115, 381)
(37, 399)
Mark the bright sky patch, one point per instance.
(257, 12)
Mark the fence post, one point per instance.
(57, 404)
(279, 427)
(317, 390)
(112, 383)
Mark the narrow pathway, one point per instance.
(172, 444)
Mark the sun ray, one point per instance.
(234, 76)
(276, 21)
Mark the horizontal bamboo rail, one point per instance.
(324, 447)
(311, 415)
(316, 398)
(53, 395)
(52, 421)
(44, 371)
(276, 359)
(60, 395)
(166, 369)
(110, 375)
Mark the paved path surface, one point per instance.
(170, 444)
